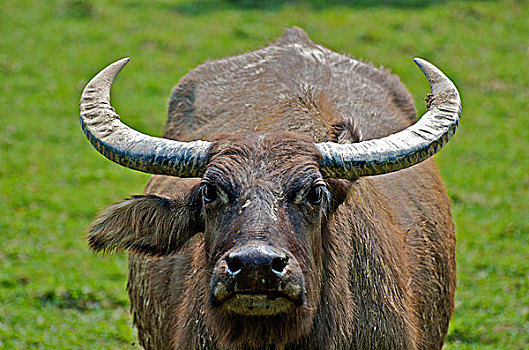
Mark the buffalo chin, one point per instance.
(256, 304)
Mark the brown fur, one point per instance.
(377, 256)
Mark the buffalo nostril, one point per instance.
(234, 265)
(279, 264)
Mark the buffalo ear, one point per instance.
(145, 224)
(339, 190)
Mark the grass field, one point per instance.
(55, 294)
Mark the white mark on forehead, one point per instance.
(245, 205)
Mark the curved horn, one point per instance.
(126, 146)
(402, 149)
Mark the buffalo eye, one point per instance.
(209, 193)
(315, 195)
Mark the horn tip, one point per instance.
(113, 69)
(439, 82)
(419, 61)
(425, 66)
(104, 78)
(119, 64)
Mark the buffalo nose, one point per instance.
(260, 259)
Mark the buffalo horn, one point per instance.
(127, 147)
(402, 149)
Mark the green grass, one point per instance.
(55, 294)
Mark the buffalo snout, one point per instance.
(257, 280)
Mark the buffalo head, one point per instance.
(260, 200)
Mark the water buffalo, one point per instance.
(292, 207)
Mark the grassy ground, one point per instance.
(55, 294)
